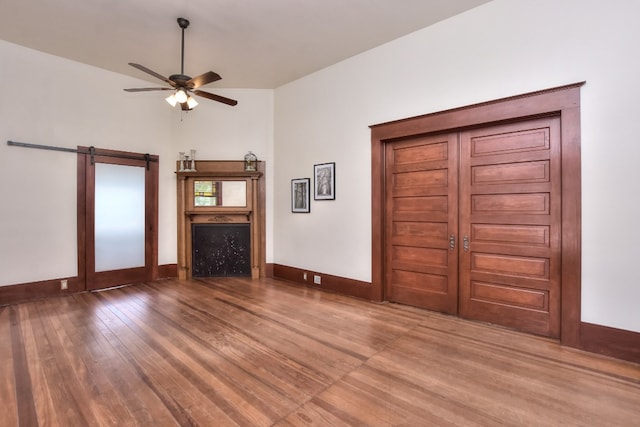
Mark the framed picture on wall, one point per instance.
(324, 181)
(301, 195)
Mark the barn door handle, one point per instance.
(452, 241)
(465, 243)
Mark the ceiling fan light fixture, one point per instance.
(171, 99)
(191, 102)
(181, 95)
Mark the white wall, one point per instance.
(503, 48)
(38, 187)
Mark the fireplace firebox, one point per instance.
(221, 250)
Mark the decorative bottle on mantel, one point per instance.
(192, 167)
(182, 160)
(250, 162)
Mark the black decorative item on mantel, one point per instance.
(250, 162)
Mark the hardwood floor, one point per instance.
(218, 352)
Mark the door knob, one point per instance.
(465, 243)
(452, 241)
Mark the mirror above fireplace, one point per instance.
(219, 193)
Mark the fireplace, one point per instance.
(221, 250)
(221, 220)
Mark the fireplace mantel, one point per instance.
(207, 209)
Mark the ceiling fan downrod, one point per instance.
(183, 23)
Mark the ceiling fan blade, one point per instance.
(218, 98)
(203, 79)
(144, 89)
(153, 73)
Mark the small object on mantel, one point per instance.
(187, 163)
(250, 162)
(182, 159)
(192, 167)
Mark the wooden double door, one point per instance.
(472, 224)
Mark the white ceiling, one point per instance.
(250, 43)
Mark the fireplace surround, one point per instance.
(217, 194)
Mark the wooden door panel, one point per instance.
(421, 214)
(411, 183)
(502, 309)
(510, 213)
(499, 294)
(423, 258)
(431, 208)
(510, 204)
(509, 265)
(513, 281)
(420, 233)
(419, 282)
(511, 173)
(521, 251)
(508, 140)
(412, 154)
(524, 235)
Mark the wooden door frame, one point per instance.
(85, 217)
(564, 102)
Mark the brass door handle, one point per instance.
(452, 241)
(465, 243)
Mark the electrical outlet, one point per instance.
(304, 276)
(316, 279)
(64, 285)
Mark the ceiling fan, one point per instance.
(183, 85)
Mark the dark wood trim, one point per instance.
(269, 270)
(109, 279)
(262, 219)
(152, 219)
(612, 342)
(562, 101)
(38, 290)
(540, 102)
(337, 284)
(167, 271)
(88, 250)
(30, 291)
(571, 282)
(81, 188)
(378, 190)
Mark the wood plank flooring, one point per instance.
(225, 352)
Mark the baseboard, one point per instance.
(166, 271)
(269, 270)
(12, 294)
(337, 284)
(613, 342)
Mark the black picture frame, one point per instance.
(301, 195)
(324, 181)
